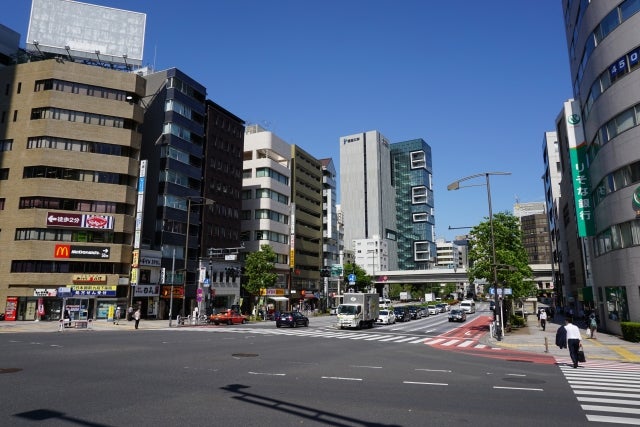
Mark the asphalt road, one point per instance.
(181, 378)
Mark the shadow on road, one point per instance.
(298, 410)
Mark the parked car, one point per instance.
(402, 314)
(414, 311)
(386, 317)
(433, 309)
(293, 319)
(457, 315)
(229, 317)
(443, 307)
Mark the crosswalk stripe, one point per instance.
(352, 335)
(605, 390)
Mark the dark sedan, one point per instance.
(293, 319)
(457, 315)
(402, 314)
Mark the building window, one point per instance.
(421, 251)
(420, 217)
(419, 195)
(418, 160)
(6, 144)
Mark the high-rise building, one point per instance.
(551, 178)
(70, 142)
(221, 248)
(307, 225)
(331, 239)
(412, 179)
(266, 208)
(174, 137)
(367, 194)
(603, 40)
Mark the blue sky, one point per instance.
(480, 82)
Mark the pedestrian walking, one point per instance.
(593, 325)
(574, 340)
(543, 319)
(130, 313)
(117, 316)
(136, 317)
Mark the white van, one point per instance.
(468, 306)
(385, 303)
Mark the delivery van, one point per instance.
(468, 306)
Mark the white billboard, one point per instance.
(96, 33)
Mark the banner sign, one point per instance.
(45, 292)
(579, 170)
(10, 309)
(94, 290)
(75, 251)
(147, 291)
(89, 278)
(103, 222)
(178, 292)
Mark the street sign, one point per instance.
(352, 277)
(501, 291)
(336, 270)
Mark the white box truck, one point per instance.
(405, 296)
(358, 310)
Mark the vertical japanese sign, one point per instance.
(292, 237)
(579, 170)
(142, 179)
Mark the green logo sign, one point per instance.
(573, 119)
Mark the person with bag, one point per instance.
(574, 340)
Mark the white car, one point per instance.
(433, 309)
(386, 317)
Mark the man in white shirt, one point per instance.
(543, 319)
(573, 340)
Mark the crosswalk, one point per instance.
(357, 335)
(607, 391)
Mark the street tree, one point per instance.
(511, 261)
(363, 280)
(259, 271)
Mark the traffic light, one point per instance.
(325, 272)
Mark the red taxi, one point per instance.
(229, 317)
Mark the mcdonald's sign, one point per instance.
(62, 251)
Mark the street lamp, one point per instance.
(456, 186)
(205, 202)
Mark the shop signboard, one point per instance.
(11, 308)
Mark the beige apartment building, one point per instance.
(69, 167)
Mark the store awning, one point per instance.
(278, 298)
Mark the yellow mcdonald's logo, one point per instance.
(62, 251)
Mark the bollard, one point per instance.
(61, 326)
(89, 323)
(546, 345)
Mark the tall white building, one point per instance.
(366, 192)
(266, 192)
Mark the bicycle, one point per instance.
(203, 319)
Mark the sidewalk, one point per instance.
(532, 338)
(96, 325)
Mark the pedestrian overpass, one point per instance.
(542, 273)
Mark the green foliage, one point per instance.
(630, 331)
(363, 281)
(259, 270)
(513, 269)
(517, 321)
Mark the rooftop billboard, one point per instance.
(81, 30)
